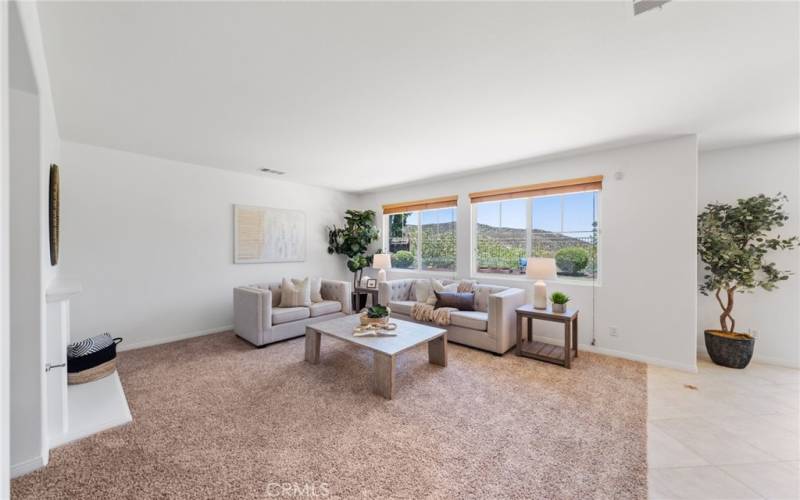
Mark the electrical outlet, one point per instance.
(612, 331)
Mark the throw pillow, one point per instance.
(423, 290)
(316, 290)
(295, 293)
(466, 285)
(437, 286)
(463, 301)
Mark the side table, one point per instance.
(542, 350)
(360, 293)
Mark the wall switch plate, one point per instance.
(612, 331)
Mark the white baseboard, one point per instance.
(764, 360)
(642, 359)
(624, 355)
(27, 466)
(166, 340)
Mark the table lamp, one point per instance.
(540, 268)
(382, 261)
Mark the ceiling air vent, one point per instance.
(271, 171)
(642, 6)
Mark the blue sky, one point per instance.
(578, 212)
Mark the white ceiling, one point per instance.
(357, 96)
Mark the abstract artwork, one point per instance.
(264, 234)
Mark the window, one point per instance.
(423, 239)
(403, 231)
(565, 227)
(554, 221)
(438, 242)
(501, 236)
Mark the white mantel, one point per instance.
(75, 411)
(62, 289)
(57, 296)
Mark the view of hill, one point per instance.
(499, 248)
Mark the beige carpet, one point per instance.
(215, 418)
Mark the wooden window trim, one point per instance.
(581, 184)
(415, 206)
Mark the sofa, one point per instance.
(258, 319)
(491, 326)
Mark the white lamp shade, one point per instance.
(541, 268)
(382, 261)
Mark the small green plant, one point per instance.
(572, 260)
(402, 259)
(559, 298)
(377, 311)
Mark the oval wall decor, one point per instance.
(54, 205)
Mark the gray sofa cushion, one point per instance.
(325, 307)
(474, 320)
(286, 314)
(401, 289)
(402, 306)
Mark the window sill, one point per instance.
(448, 274)
(481, 277)
(523, 279)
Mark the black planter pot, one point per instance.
(731, 351)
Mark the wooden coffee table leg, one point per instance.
(383, 365)
(437, 351)
(567, 342)
(519, 334)
(312, 346)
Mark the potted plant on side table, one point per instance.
(559, 300)
(733, 241)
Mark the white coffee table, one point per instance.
(384, 349)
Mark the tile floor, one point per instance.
(736, 434)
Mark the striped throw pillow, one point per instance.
(295, 293)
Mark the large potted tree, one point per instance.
(733, 242)
(353, 240)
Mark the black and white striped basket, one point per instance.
(91, 359)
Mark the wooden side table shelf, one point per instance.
(542, 350)
(363, 293)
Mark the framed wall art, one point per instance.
(263, 234)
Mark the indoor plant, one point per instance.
(353, 240)
(559, 300)
(376, 314)
(733, 241)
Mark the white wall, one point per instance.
(25, 282)
(647, 244)
(4, 254)
(152, 242)
(34, 146)
(726, 175)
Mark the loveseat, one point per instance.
(258, 318)
(491, 326)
